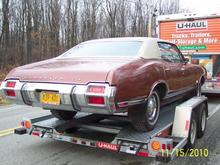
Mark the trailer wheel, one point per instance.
(63, 115)
(202, 121)
(192, 132)
(146, 116)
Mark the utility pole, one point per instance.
(150, 25)
(150, 21)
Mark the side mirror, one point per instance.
(186, 60)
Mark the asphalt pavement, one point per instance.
(29, 150)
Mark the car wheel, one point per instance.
(191, 140)
(202, 121)
(63, 115)
(145, 117)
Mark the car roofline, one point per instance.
(148, 50)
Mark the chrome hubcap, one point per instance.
(203, 122)
(152, 107)
(193, 131)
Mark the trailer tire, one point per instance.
(145, 117)
(191, 140)
(202, 121)
(63, 115)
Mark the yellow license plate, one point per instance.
(50, 98)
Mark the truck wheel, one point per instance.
(202, 121)
(191, 140)
(146, 116)
(63, 115)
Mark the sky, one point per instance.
(201, 6)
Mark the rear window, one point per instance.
(105, 48)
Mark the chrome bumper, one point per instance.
(73, 97)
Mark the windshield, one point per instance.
(105, 48)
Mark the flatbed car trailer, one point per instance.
(178, 127)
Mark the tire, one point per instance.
(63, 115)
(202, 121)
(191, 140)
(145, 117)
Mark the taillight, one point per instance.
(164, 147)
(10, 93)
(142, 153)
(96, 89)
(11, 84)
(169, 146)
(96, 100)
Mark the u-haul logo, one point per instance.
(107, 146)
(191, 25)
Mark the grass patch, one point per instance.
(3, 101)
(3, 73)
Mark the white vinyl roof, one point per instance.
(148, 50)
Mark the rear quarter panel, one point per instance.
(136, 79)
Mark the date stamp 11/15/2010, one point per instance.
(194, 152)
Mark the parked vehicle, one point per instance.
(107, 76)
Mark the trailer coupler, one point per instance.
(20, 131)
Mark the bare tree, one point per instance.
(54, 26)
(111, 8)
(4, 38)
(167, 6)
(32, 30)
(71, 28)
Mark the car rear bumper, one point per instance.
(72, 97)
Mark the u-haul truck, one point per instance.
(198, 37)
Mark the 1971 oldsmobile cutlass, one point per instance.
(107, 76)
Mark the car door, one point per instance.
(173, 66)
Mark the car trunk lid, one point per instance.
(68, 70)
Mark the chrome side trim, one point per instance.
(157, 83)
(180, 92)
(124, 104)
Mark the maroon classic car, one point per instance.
(107, 76)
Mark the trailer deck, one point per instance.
(115, 133)
(118, 125)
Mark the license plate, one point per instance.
(50, 98)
